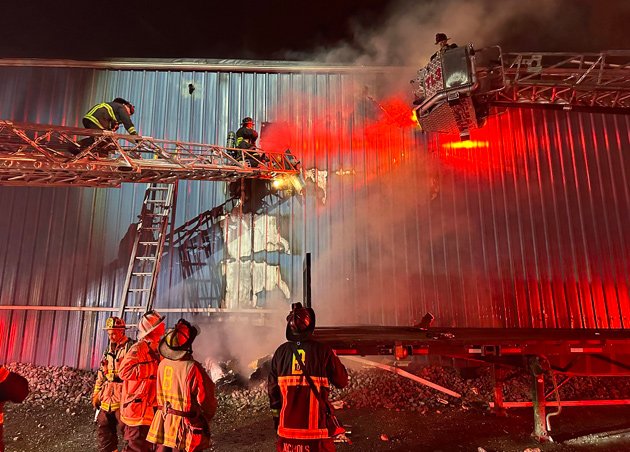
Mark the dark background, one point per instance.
(272, 29)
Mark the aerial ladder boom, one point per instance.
(49, 155)
(45, 155)
(591, 82)
(454, 93)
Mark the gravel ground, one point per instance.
(384, 412)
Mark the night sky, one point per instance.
(285, 30)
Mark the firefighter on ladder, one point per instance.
(299, 417)
(185, 395)
(108, 116)
(13, 388)
(108, 386)
(138, 371)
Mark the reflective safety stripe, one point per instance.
(4, 373)
(132, 130)
(312, 432)
(298, 433)
(94, 120)
(1, 417)
(90, 114)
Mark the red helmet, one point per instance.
(300, 323)
(120, 100)
(178, 341)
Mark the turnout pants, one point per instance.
(136, 437)
(108, 424)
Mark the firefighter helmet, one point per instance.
(149, 322)
(247, 120)
(120, 100)
(300, 323)
(178, 341)
(114, 323)
(439, 37)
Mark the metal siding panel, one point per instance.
(529, 232)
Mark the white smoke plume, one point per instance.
(406, 35)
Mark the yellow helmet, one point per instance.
(114, 323)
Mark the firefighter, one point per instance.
(246, 137)
(108, 386)
(299, 417)
(13, 388)
(442, 40)
(138, 371)
(185, 395)
(108, 116)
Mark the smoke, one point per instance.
(406, 35)
(242, 337)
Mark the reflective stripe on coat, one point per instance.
(108, 385)
(138, 371)
(184, 387)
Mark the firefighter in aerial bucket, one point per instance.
(442, 40)
(108, 386)
(246, 137)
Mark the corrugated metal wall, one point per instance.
(528, 228)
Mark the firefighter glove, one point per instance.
(96, 400)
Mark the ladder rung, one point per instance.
(158, 188)
(146, 258)
(157, 201)
(149, 243)
(139, 290)
(141, 274)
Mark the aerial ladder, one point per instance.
(50, 155)
(461, 87)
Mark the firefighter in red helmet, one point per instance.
(108, 386)
(185, 395)
(299, 406)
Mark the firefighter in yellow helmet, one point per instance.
(108, 386)
(13, 388)
(138, 371)
(185, 394)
